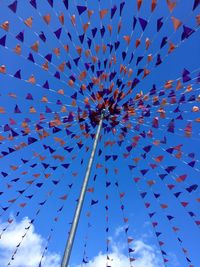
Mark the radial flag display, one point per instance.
(63, 64)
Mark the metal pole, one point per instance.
(70, 241)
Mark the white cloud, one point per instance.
(29, 253)
(118, 231)
(146, 256)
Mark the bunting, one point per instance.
(64, 65)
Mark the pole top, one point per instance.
(105, 112)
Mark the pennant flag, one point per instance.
(3, 40)
(13, 6)
(143, 23)
(81, 9)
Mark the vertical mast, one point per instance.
(70, 241)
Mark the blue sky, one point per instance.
(185, 56)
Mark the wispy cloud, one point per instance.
(29, 254)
